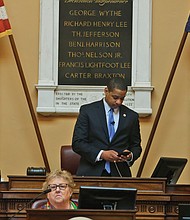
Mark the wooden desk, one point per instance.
(93, 214)
(155, 199)
(156, 185)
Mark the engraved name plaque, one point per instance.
(95, 42)
(83, 43)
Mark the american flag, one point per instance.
(5, 27)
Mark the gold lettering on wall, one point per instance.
(95, 41)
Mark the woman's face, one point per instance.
(60, 191)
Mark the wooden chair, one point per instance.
(69, 159)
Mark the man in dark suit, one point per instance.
(91, 136)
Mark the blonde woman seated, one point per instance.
(61, 184)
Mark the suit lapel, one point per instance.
(122, 116)
(122, 120)
(102, 118)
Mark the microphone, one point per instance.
(113, 122)
(33, 200)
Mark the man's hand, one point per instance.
(113, 156)
(125, 157)
(110, 155)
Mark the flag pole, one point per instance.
(154, 127)
(34, 119)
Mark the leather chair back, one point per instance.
(39, 203)
(69, 159)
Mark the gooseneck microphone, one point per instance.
(33, 200)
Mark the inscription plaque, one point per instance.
(62, 85)
(74, 99)
(95, 41)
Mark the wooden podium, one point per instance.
(36, 214)
(155, 199)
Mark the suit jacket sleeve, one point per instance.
(87, 132)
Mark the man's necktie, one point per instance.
(111, 124)
(111, 131)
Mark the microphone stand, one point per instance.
(33, 200)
